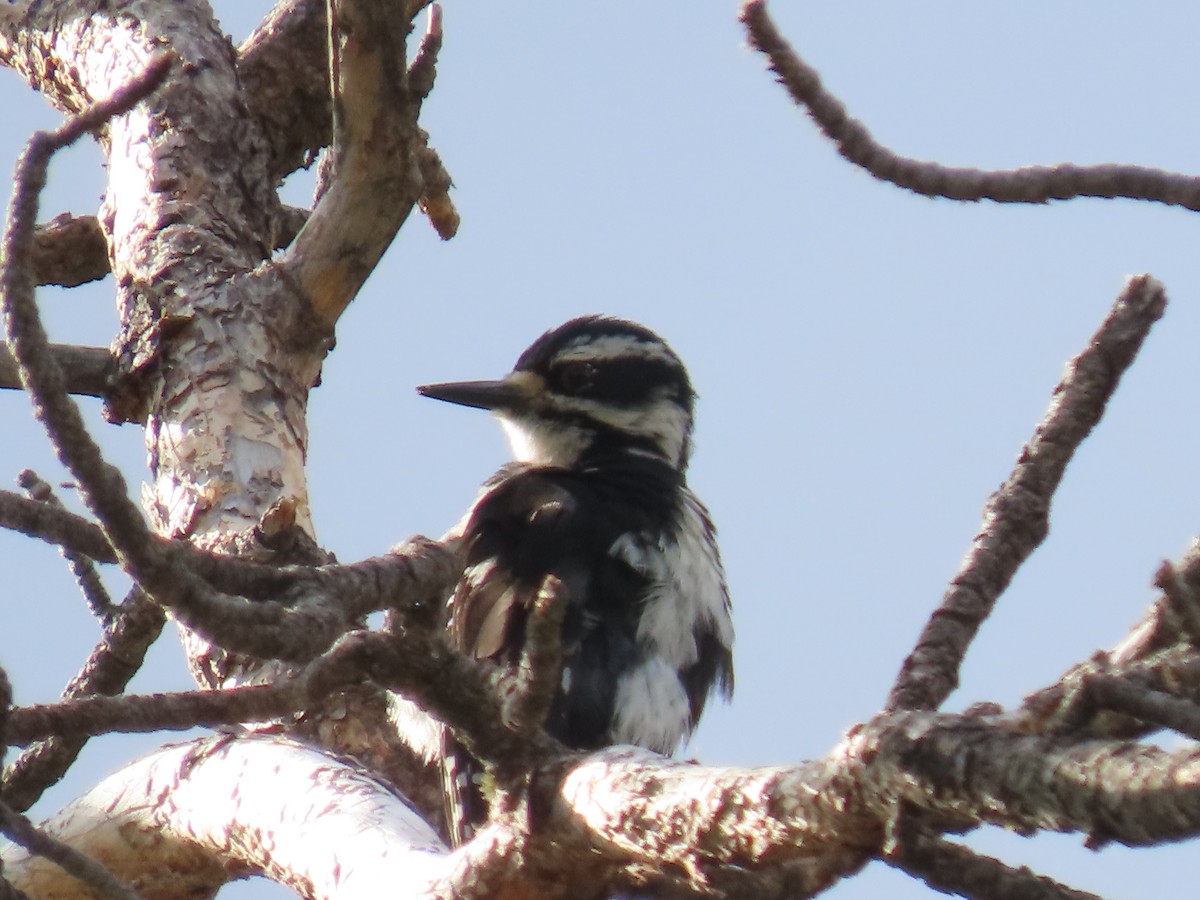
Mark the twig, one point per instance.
(408, 579)
(423, 70)
(95, 594)
(540, 667)
(267, 630)
(86, 370)
(83, 867)
(110, 666)
(463, 693)
(1120, 695)
(142, 713)
(55, 526)
(1016, 517)
(375, 182)
(286, 83)
(1030, 184)
(954, 869)
(1181, 593)
(102, 485)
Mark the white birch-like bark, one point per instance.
(184, 820)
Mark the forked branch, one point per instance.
(1016, 518)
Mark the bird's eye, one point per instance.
(576, 378)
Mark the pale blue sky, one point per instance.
(869, 361)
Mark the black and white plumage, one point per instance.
(599, 415)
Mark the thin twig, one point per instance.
(55, 526)
(86, 370)
(143, 713)
(1030, 184)
(102, 485)
(462, 693)
(83, 867)
(110, 666)
(1016, 517)
(1120, 695)
(95, 594)
(540, 667)
(954, 869)
(1182, 596)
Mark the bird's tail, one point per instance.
(462, 776)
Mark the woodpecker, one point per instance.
(599, 415)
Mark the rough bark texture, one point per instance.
(217, 349)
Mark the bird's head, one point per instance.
(593, 386)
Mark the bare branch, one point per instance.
(284, 69)
(1016, 517)
(56, 526)
(954, 869)
(539, 670)
(112, 663)
(376, 180)
(1181, 587)
(95, 594)
(142, 713)
(461, 692)
(1029, 184)
(1154, 707)
(71, 250)
(166, 822)
(265, 630)
(86, 370)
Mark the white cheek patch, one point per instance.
(651, 708)
(542, 445)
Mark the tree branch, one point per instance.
(266, 630)
(95, 594)
(376, 180)
(539, 670)
(86, 370)
(950, 868)
(110, 666)
(1016, 517)
(55, 526)
(1029, 184)
(187, 819)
